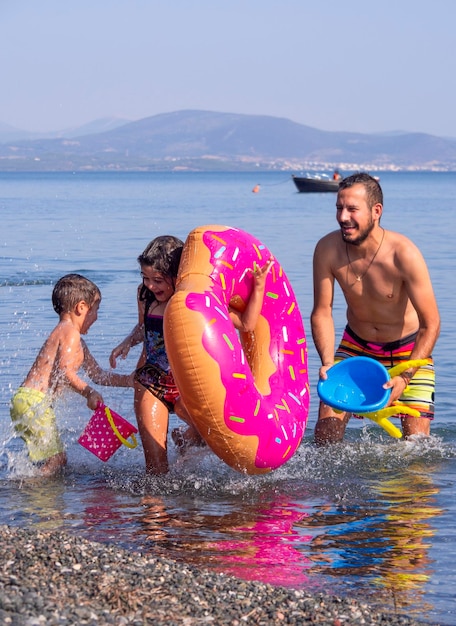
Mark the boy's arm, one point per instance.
(71, 357)
(247, 320)
(103, 377)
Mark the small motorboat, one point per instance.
(315, 185)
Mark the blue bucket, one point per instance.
(355, 385)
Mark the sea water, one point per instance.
(372, 516)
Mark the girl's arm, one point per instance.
(247, 320)
(134, 338)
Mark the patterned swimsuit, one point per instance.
(156, 374)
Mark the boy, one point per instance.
(76, 300)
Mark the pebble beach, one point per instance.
(53, 578)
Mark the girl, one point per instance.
(156, 394)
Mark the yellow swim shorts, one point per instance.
(34, 420)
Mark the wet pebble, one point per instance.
(54, 579)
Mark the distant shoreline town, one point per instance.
(208, 141)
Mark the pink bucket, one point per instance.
(106, 432)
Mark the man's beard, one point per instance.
(362, 235)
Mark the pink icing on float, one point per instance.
(247, 393)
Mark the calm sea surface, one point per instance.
(373, 516)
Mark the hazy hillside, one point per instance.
(208, 140)
(9, 133)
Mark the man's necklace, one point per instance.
(359, 277)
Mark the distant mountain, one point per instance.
(102, 125)
(10, 133)
(208, 140)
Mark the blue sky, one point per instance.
(348, 65)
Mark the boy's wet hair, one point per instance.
(163, 254)
(71, 289)
(374, 192)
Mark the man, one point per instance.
(392, 314)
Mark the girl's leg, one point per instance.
(152, 417)
(188, 437)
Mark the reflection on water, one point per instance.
(357, 517)
(385, 539)
(251, 542)
(33, 502)
(408, 527)
(266, 547)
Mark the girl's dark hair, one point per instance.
(71, 289)
(163, 254)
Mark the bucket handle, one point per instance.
(125, 442)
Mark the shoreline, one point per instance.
(54, 578)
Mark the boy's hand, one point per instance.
(94, 399)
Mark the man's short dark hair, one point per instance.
(371, 185)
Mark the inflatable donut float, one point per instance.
(247, 393)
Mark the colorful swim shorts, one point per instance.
(419, 393)
(160, 383)
(34, 420)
